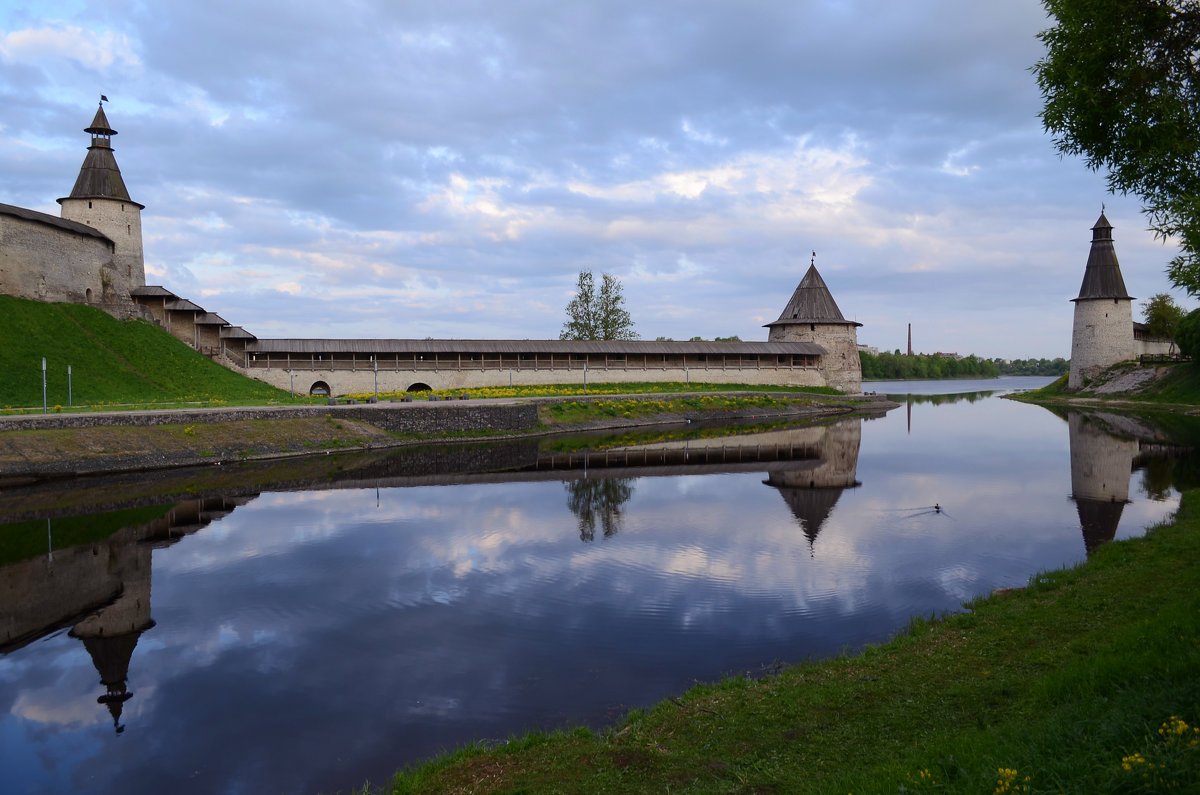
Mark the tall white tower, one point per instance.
(100, 200)
(1103, 330)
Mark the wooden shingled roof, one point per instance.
(51, 220)
(99, 176)
(1102, 279)
(616, 347)
(812, 303)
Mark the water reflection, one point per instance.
(100, 590)
(600, 499)
(450, 595)
(1106, 449)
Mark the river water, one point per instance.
(310, 626)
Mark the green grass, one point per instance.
(1086, 681)
(22, 540)
(583, 411)
(1180, 386)
(112, 362)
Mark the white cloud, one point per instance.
(95, 49)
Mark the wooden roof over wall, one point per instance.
(52, 220)
(627, 347)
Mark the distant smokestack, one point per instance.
(910, 339)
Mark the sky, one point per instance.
(368, 168)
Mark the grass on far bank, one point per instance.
(113, 363)
(1085, 681)
(1179, 386)
(593, 390)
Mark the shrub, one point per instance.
(1187, 334)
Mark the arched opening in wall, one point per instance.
(419, 387)
(319, 389)
(87, 295)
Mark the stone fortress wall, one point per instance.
(93, 255)
(45, 259)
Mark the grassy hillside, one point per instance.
(112, 361)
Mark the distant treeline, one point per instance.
(1054, 367)
(924, 365)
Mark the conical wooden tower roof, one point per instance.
(100, 177)
(812, 303)
(1102, 279)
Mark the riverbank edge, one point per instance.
(1114, 404)
(27, 453)
(1066, 685)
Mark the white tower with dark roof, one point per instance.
(1103, 331)
(813, 316)
(101, 201)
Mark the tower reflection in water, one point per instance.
(101, 589)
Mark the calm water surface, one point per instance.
(310, 639)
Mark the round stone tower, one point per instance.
(100, 200)
(1103, 330)
(813, 316)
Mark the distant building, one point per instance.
(1103, 329)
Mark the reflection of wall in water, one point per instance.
(1101, 465)
(812, 488)
(101, 590)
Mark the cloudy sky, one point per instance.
(446, 169)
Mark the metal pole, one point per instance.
(292, 382)
(585, 378)
(70, 397)
(376, 363)
(44, 385)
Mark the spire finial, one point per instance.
(813, 261)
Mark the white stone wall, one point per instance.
(362, 381)
(840, 367)
(47, 263)
(1101, 337)
(1154, 347)
(121, 222)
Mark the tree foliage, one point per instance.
(921, 365)
(597, 316)
(1161, 315)
(1121, 85)
(1187, 334)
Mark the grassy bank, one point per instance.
(1178, 385)
(112, 362)
(1086, 681)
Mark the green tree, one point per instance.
(1161, 315)
(1121, 84)
(597, 316)
(1187, 334)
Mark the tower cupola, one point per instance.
(1102, 278)
(100, 177)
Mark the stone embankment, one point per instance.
(67, 445)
